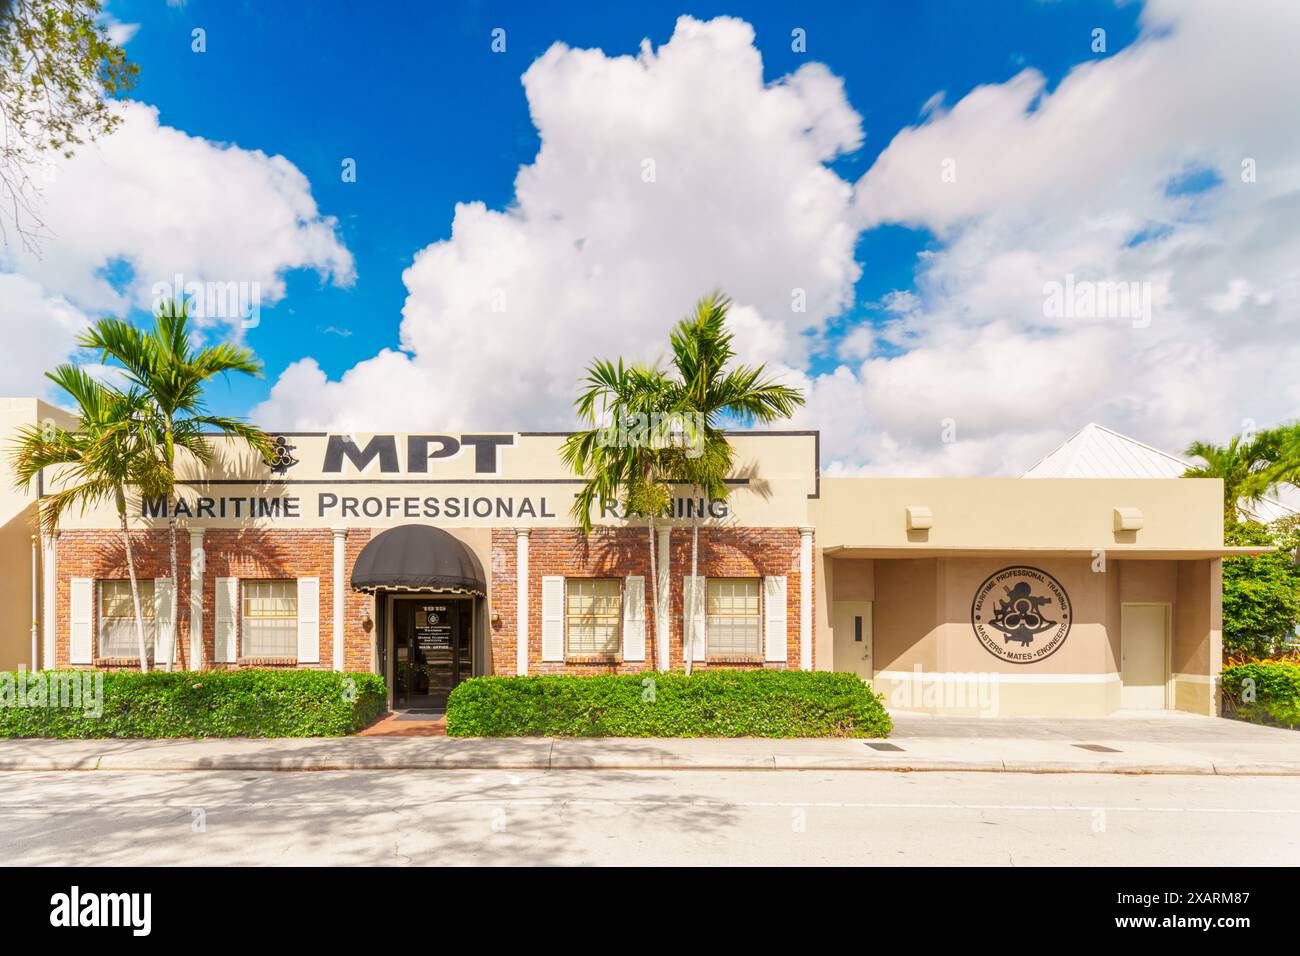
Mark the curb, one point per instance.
(546, 761)
(545, 754)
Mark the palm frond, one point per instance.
(1249, 466)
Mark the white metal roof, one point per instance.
(1265, 510)
(1095, 451)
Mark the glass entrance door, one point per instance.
(432, 650)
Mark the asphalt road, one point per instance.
(645, 818)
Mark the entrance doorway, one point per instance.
(1144, 656)
(432, 649)
(852, 626)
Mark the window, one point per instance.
(270, 619)
(117, 636)
(594, 609)
(733, 626)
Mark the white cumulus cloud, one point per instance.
(666, 174)
(1075, 185)
(40, 330)
(660, 176)
(140, 207)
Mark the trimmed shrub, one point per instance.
(1261, 594)
(712, 703)
(1263, 692)
(243, 703)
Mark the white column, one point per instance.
(805, 598)
(49, 599)
(198, 563)
(663, 609)
(340, 595)
(36, 602)
(521, 600)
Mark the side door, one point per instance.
(852, 624)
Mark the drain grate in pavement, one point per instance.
(425, 715)
(887, 747)
(1097, 748)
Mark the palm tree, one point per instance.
(707, 389)
(108, 451)
(623, 463)
(1250, 466)
(165, 367)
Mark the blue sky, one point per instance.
(433, 117)
(890, 208)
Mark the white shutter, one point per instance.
(226, 620)
(309, 620)
(634, 618)
(162, 617)
(693, 618)
(775, 633)
(552, 617)
(81, 617)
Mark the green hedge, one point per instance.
(714, 703)
(243, 703)
(1265, 692)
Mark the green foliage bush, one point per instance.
(712, 703)
(1261, 594)
(1265, 691)
(243, 703)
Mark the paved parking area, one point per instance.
(1160, 727)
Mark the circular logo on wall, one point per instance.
(1021, 615)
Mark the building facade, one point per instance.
(431, 558)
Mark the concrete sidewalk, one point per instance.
(1164, 744)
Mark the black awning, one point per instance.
(418, 557)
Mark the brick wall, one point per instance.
(101, 554)
(242, 553)
(619, 552)
(502, 581)
(608, 552)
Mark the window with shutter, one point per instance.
(117, 618)
(733, 626)
(270, 624)
(593, 616)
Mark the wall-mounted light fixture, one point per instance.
(919, 518)
(1128, 519)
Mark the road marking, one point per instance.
(542, 802)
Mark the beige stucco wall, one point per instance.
(775, 475)
(16, 610)
(17, 525)
(906, 615)
(922, 619)
(776, 484)
(922, 605)
(1013, 513)
(1197, 651)
(1085, 651)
